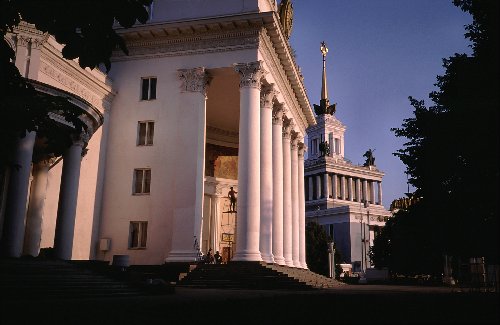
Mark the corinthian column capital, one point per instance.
(287, 127)
(302, 148)
(267, 94)
(194, 80)
(294, 136)
(278, 110)
(250, 73)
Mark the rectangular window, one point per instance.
(314, 146)
(148, 88)
(145, 133)
(138, 234)
(142, 181)
(330, 143)
(337, 146)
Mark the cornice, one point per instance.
(278, 72)
(342, 167)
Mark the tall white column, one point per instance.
(68, 197)
(268, 93)
(287, 193)
(365, 190)
(372, 192)
(278, 184)
(379, 193)
(342, 187)
(248, 224)
(295, 199)
(310, 187)
(350, 188)
(15, 209)
(302, 207)
(334, 186)
(318, 187)
(326, 186)
(358, 190)
(188, 208)
(33, 232)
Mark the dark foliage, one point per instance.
(452, 158)
(317, 248)
(85, 27)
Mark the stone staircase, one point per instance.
(36, 279)
(253, 275)
(306, 276)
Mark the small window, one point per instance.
(148, 88)
(337, 146)
(314, 146)
(138, 234)
(142, 181)
(145, 133)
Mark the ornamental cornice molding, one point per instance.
(97, 91)
(251, 74)
(25, 34)
(177, 46)
(71, 83)
(212, 130)
(276, 69)
(194, 80)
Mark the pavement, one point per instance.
(349, 304)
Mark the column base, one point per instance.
(268, 258)
(247, 256)
(297, 264)
(182, 256)
(304, 266)
(289, 262)
(280, 260)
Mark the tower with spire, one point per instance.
(346, 199)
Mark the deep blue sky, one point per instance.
(380, 52)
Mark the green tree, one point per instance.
(451, 154)
(85, 27)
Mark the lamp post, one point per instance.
(331, 259)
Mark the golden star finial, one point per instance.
(323, 48)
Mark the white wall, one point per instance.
(119, 205)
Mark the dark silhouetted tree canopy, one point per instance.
(452, 152)
(85, 27)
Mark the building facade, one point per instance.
(344, 198)
(209, 100)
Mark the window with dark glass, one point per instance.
(138, 234)
(145, 133)
(142, 181)
(148, 88)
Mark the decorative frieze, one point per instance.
(194, 80)
(251, 73)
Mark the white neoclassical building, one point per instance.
(346, 199)
(209, 100)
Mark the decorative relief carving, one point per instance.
(278, 110)
(194, 80)
(302, 148)
(287, 127)
(267, 94)
(196, 45)
(294, 136)
(250, 73)
(74, 86)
